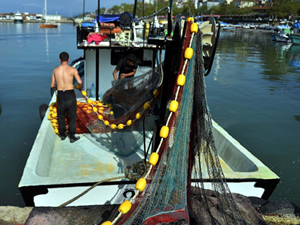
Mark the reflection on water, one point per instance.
(19, 27)
(293, 56)
(253, 92)
(47, 44)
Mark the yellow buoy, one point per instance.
(78, 103)
(164, 132)
(111, 112)
(125, 207)
(146, 105)
(99, 104)
(83, 93)
(49, 117)
(54, 114)
(129, 122)
(188, 53)
(153, 158)
(181, 80)
(106, 223)
(140, 184)
(155, 92)
(76, 86)
(138, 116)
(54, 120)
(95, 109)
(50, 108)
(56, 130)
(120, 126)
(100, 117)
(54, 109)
(93, 102)
(173, 106)
(89, 101)
(100, 111)
(194, 28)
(190, 19)
(113, 126)
(106, 122)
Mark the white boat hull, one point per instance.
(57, 171)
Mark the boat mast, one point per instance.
(45, 11)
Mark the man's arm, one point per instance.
(78, 79)
(123, 75)
(53, 81)
(115, 74)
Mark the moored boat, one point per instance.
(18, 18)
(57, 170)
(295, 39)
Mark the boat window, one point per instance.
(118, 54)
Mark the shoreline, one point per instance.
(37, 21)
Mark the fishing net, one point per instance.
(188, 159)
(126, 101)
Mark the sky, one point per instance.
(66, 8)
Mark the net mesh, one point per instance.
(119, 105)
(189, 155)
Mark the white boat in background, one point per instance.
(57, 171)
(18, 18)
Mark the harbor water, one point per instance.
(253, 93)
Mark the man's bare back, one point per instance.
(63, 76)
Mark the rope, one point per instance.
(87, 190)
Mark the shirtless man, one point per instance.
(66, 100)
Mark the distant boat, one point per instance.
(295, 38)
(282, 38)
(47, 24)
(18, 18)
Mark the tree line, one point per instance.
(279, 9)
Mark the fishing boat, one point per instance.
(128, 128)
(47, 24)
(18, 18)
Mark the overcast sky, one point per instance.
(66, 8)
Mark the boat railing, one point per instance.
(109, 35)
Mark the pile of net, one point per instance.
(175, 192)
(122, 119)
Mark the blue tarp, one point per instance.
(87, 24)
(111, 18)
(297, 25)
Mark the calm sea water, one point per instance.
(253, 92)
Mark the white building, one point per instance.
(243, 4)
(53, 17)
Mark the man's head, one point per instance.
(64, 57)
(131, 59)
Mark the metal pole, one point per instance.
(97, 57)
(83, 10)
(134, 9)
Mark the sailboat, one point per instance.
(47, 24)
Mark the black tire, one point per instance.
(43, 108)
